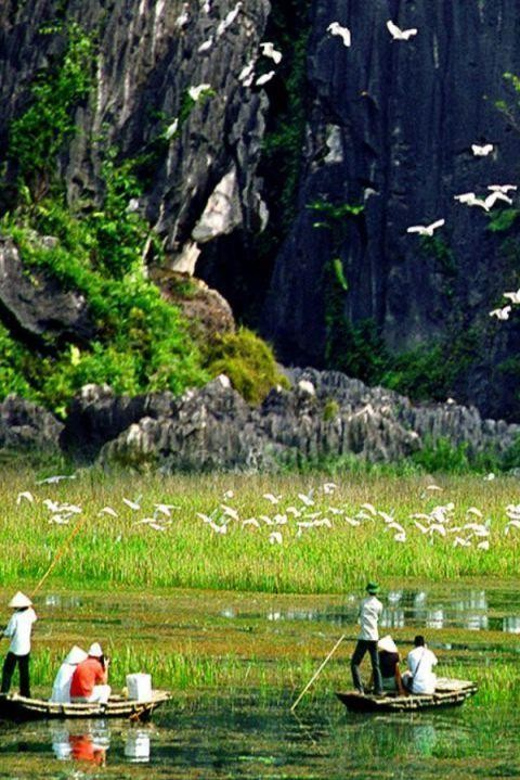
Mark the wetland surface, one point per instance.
(235, 663)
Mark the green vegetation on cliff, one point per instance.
(99, 250)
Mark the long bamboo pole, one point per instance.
(59, 554)
(325, 662)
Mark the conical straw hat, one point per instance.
(76, 656)
(387, 643)
(95, 650)
(20, 600)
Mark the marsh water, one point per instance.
(241, 732)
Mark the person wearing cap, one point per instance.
(369, 611)
(89, 680)
(61, 686)
(19, 631)
(420, 678)
(389, 660)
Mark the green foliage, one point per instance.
(248, 362)
(331, 410)
(332, 212)
(511, 458)
(436, 247)
(502, 220)
(13, 360)
(38, 135)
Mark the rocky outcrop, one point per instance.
(36, 307)
(324, 415)
(24, 427)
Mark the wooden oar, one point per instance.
(58, 555)
(325, 662)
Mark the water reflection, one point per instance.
(87, 742)
(472, 610)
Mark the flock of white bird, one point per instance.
(284, 522)
(498, 192)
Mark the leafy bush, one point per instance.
(248, 362)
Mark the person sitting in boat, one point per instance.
(369, 612)
(62, 682)
(89, 681)
(419, 678)
(19, 630)
(389, 660)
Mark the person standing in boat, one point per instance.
(369, 612)
(89, 681)
(420, 678)
(19, 631)
(63, 680)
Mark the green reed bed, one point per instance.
(330, 538)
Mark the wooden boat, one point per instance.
(15, 707)
(448, 693)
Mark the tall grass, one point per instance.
(184, 550)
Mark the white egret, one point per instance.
(272, 498)
(135, 505)
(205, 45)
(398, 34)
(426, 230)
(54, 480)
(514, 297)
(500, 314)
(335, 28)
(482, 150)
(504, 188)
(26, 495)
(261, 80)
(228, 19)
(269, 51)
(196, 93)
(276, 537)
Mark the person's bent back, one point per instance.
(90, 678)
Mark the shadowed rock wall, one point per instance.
(391, 127)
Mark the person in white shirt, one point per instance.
(63, 679)
(420, 678)
(19, 631)
(369, 612)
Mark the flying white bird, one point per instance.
(56, 479)
(306, 498)
(264, 79)
(329, 487)
(228, 20)
(514, 297)
(505, 188)
(251, 521)
(25, 495)
(470, 199)
(398, 34)
(230, 512)
(135, 505)
(270, 497)
(335, 28)
(268, 50)
(482, 151)
(107, 510)
(497, 195)
(501, 314)
(275, 537)
(426, 230)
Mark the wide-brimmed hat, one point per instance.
(76, 656)
(95, 650)
(387, 643)
(20, 600)
(372, 588)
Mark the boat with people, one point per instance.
(448, 693)
(20, 708)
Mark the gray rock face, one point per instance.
(148, 59)
(325, 414)
(24, 426)
(34, 304)
(391, 127)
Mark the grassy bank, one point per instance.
(274, 534)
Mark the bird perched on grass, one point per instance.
(335, 28)
(426, 230)
(398, 34)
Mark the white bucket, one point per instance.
(139, 686)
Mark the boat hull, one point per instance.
(20, 708)
(448, 693)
